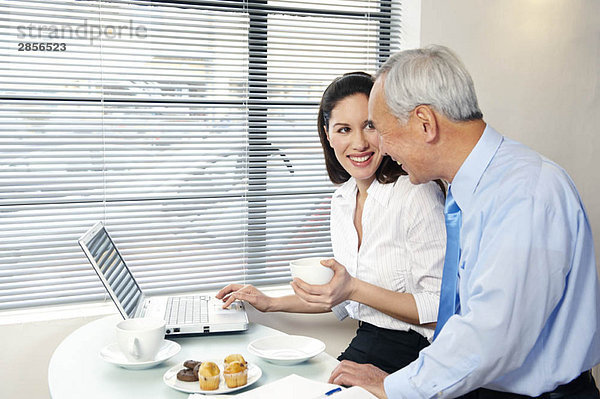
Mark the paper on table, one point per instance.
(355, 393)
(296, 387)
(291, 387)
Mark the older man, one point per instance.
(520, 306)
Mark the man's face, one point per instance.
(403, 142)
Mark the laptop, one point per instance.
(196, 314)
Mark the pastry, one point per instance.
(233, 358)
(209, 376)
(187, 375)
(190, 372)
(236, 374)
(190, 364)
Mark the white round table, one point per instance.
(76, 370)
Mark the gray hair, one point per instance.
(432, 75)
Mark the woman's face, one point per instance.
(353, 138)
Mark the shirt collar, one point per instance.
(377, 191)
(381, 192)
(347, 190)
(468, 176)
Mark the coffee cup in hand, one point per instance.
(140, 339)
(311, 270)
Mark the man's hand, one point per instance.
(327, 295)
(366, 376)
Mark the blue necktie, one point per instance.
(449, 302)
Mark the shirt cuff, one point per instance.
(340, 311)
(398, 385)
(427, 307)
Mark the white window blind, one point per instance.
(188, 127)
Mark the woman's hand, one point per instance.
(339, 289)
(247, 293)
(364, 375)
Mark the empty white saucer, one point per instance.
(286, 350)
(112, 354)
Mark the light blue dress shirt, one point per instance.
(529, 296)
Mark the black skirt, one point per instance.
(390, 350)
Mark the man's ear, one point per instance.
(426, 118)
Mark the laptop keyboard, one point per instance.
(187, 310)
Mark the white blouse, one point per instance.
(402, 249)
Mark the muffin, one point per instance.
(208, 375)
(236, 374)
(234, 358)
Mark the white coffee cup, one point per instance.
(140, 339)
(311, 270)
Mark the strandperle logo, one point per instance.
(92, 32)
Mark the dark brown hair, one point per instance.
(342, 87)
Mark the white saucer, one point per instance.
(286, 350)
(170, 378)
(112, 354)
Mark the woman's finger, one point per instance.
(306, 296)
(226, 290)
(308, 288)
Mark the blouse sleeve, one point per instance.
(426, 246)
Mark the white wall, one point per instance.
(536, 67)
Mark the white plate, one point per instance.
(170, 378)
(112, 354)
(286, 350)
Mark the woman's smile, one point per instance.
(361, 160)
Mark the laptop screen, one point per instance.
(110, 263)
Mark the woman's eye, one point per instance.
(344, 130)
(370, 126)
